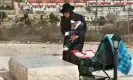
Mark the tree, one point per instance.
(39, 1)
(12, 4)
(66, 1)
(88, 8)
(16, 7)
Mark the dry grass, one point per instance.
(41, 30)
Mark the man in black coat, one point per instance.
(69, 15)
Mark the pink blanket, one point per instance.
(88, 54)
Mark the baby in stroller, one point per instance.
(87, 54)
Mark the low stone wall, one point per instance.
(42, 68)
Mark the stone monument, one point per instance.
(42, 68)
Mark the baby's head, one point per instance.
(73, 23)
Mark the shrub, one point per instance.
(3, 15)
(131, 26)
(124, 26)
(101, 21)
(3, 37)
(111, 17)
(108, 30)
(93, 36)
(53, 18)
(26, 16)
(111, 30)
(88, 9)
(93, 22)
(28, 22)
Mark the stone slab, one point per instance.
(1, 78)
(42, 68)
(4, 62)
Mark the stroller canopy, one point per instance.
(124, 58)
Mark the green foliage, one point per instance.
(88, 8)
(93, 36)
(102, 21)
(53, 18)
(26, 15)
(18, 0)
(111, 18)
(66, 1)
(28, 22)
(108, 30)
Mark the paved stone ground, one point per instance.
(9, 49)
(110, 73)
(4, 71)
(38, 49)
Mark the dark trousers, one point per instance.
(68, 56)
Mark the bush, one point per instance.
(111, 17)
(3, 15)
(26, 16)
(108, 30)
(6, 8)
(3, 37)
(88, 9)
(93, 36)
(124, 26)
(53, 18)
(111, 30)
(28, 22)
(93, 22)
(131, 26)
(101, 21)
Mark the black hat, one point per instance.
(67, 8)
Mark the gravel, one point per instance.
(13, 49)
(20, 49)
(9, 49)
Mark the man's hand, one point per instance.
(73, 37)
(66, 33)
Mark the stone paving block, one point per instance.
(42, 68)
(1, 78)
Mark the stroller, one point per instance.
(103, 60)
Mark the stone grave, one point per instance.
(42, 68)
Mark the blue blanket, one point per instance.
(124, 58)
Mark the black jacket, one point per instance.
(66, 23)
(78, 44)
